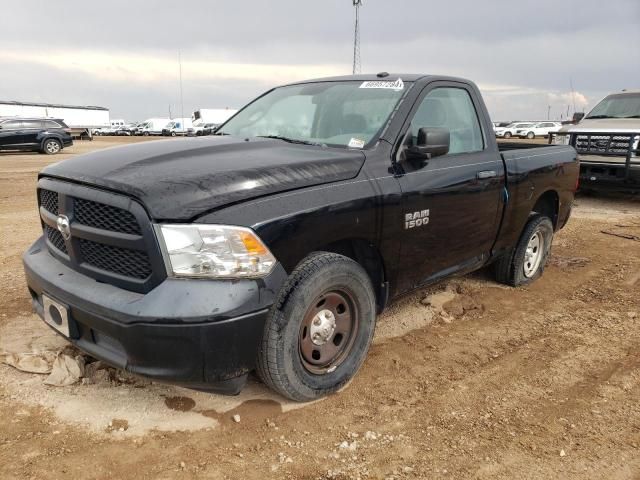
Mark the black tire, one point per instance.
(145, 134)
(531, 135)
(282, 364)
(507, 134)
(51, 146)
(514, 267)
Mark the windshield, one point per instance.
(623, 105)
(346, 114)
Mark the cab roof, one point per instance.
(406, 77)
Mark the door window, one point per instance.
(11, 125)
(453, 109)
(31, 124)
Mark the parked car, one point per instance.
(126, 130)
(289, 230)
(113, 128)
(511, 129)
(608, 142)
(81, 120)
(542, 129)
(204, 129)
(501, 124)
(45, 135)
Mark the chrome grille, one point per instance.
(604, 144)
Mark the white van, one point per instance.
(177, 126)
(153, 126)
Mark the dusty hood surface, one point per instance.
(605, 125)
(183, 178)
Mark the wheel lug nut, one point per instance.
(316, 322)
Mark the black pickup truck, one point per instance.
(273, 245)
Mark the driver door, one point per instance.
(450, 203)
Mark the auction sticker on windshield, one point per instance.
(356, 143)
(397, 85)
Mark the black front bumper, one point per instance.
(197, 333)
(609, 176)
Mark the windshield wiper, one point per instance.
(600, 116)
(632, 116)
(291, 140)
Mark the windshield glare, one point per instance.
(623, 105)
(333, 113)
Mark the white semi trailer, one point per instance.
(81, 120)
(216, 116)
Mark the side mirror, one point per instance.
(431, 142)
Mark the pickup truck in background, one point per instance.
(608, 143)
(273, 244)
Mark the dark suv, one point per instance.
(45, 135)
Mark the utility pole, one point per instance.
(573, 95)
(549, 112)
(181, 98)
(356, 38)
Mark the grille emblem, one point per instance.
(63, 226)
(602, 144)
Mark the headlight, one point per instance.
(561, 139)
(214, 251)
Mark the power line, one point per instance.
(357, 68)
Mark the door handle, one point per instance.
(484, 174)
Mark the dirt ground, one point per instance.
(466, 379)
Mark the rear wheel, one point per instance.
(531, 135)
(526, 262)
(51, 146)
(319, 331)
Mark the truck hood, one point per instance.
(184, 178)
(605, 125)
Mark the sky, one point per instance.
(524, 55)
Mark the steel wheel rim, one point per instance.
(533, 254)
(53, 147)
(328, 332)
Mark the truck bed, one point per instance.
(506, 146)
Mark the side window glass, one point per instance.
(453, 109)
(11, 125)
(51, 124)
(31, 124)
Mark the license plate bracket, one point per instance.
(56, 315)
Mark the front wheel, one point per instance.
(526, 262)
(507, 135)
(531, 135)
(51, 146)
(319, 330)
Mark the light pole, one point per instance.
(356, 38)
